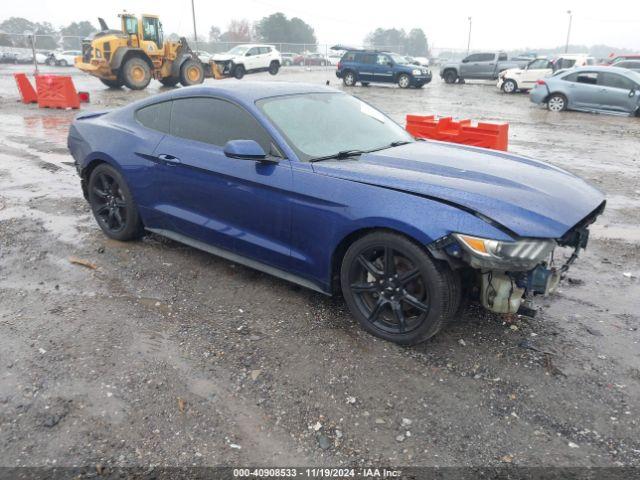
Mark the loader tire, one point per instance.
(136, 73)
(191, 73)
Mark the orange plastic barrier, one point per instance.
(27, 92)
(56, 91)
(486, 135)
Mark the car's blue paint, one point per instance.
(591, 97)
(293, 215)
(381, 73)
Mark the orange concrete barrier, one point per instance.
(486, 135)
(27, 92)
(55, 91)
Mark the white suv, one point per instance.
(523, 79)
(249, 58)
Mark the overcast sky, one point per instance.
(496, 24)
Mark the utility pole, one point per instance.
(469, 38)
(195, 33)
(566, 47)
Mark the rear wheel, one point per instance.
(191, 72)
(238, 71)
(395, 290)
(557, 102)
(136, 73)
(274, 67)
(349, 79)
(112, 204)
(112, 83)
(509, 86)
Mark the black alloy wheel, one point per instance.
(395, 290)
(112, 204)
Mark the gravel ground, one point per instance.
(164, 355)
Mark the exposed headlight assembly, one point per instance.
(417, 72)
(520, 255)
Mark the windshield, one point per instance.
(239, 50)
(320, 124)
(399, 59)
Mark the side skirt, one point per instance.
(234, 257)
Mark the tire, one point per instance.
(395, 290)
(63, 63)
(557, 102)
(112, 204)
(509, 86)
(404, 81)
(191, 73)
(51, 62)
(136, 73)
(239, 71)
(450, 76)
(112, 83)
(349, 78)
(169, 81)
(274, 67)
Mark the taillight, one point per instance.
(339, 65)
(540, 82)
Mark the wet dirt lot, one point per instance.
(164, 355)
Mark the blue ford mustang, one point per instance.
(315, 186)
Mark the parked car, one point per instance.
(287, 58)
(366, 66)
(524, 79)
(590, 89)
(630, 64)
(620, 58)
(422, 61)
(317, 187)
(8, 57)
(250, 58)
(479, 66)
(311, 59)
(66, 58)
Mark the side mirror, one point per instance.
(465, 60)
(244, 150)
(390, 64)
(248, 54)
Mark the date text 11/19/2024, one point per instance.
(316, 473)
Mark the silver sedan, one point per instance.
(590, 89)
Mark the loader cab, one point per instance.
(151, 32)
(130, 28)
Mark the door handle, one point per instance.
(169, 159)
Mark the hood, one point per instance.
(511, 71)
(528, 197)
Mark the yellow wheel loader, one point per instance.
(137, 53)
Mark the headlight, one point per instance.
(510, 256)
(417, 72)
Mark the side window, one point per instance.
(590, 78)
(264, 50)
(475, 57)
(131, 25)
(486, 57)
(614, 80)
(156, 116)
(382, 60)
(502, 57)
(565, 63)
(253, 51)
(215, 121)
(369, 58)
(349, 57)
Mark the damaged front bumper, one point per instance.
(512, 272)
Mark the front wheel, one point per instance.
(450, 77)
(404, 81)
(112, 204)
(238, 71)
(395, 290)
(509, 86)
(63, 63)
(557, 102)
(274, 67)
(191, 73)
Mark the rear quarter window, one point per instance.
(156, 116)
(349, 57)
